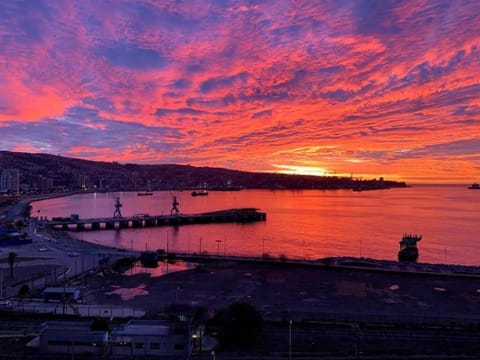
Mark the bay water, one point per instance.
(303, 224)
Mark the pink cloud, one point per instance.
(246, 86)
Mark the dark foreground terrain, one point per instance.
(334, 311)
(309, 312)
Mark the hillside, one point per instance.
(70, 173)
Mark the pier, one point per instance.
(240, 215)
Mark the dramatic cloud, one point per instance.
(370, 88)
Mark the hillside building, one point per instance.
(10, 181)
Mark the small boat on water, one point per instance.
(408, 248)
(474, 186)
(145, 193)
(202, 192)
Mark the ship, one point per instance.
(145, 193)
(408, 248)
(202, 192)
(474, 186)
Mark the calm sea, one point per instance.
(306, 224)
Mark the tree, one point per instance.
(240, 325)
(24, 291)
(100, 324)
(12, 257)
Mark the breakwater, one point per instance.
(241, 215)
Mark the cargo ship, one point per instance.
(474, 186)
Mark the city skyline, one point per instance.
(369, 88)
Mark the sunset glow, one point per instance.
(353, 88)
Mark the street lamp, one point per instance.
(290, 340)
(167, 243)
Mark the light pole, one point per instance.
(167, 242)
(290, 340)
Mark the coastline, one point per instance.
(338, 295)
(52, 257)
(58, 252)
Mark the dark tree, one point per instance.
(100, 324)
(123, 264)
(239, 326)
(23, 291)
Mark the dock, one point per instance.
(240, 215)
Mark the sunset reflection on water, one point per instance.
(163, 268)
(306, 224)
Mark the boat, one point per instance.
(358, 188)
(408, 248)
(145, 193)
(474, 186)
(202, 192)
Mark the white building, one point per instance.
(151, 338)
(72, 337)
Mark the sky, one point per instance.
(362, 88)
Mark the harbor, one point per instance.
(357, 303)
(302, 224)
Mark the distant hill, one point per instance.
(70, 173)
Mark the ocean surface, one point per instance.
(305, 224)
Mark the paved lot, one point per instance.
(298, 292)
(48, 260)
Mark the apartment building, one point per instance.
(10, 181)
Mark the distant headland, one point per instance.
(44, 173)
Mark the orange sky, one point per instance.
(369, 88)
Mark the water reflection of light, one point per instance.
(163, 268)
(441, 213)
